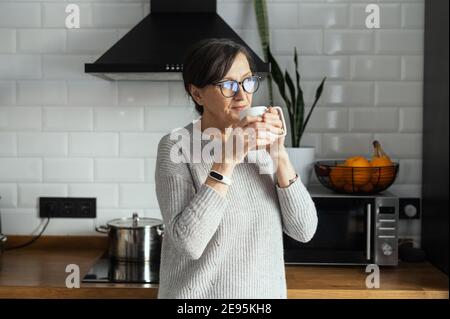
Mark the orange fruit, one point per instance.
(360, 172)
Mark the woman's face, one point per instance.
(215, 105)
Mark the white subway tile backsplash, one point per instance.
(399, 41)
(119, 118)
(390, 15)
(20, 118)
(398, 93)
(177, 117)
(42, 144)
(373, 120)
(8, 144)
(41, 40)
(118, 170)
(399, 145)
(117, 15)
(413, 15)
(68, 170)
(312, 139)
(93, 144)
(67, 119)
(317, 67)
(375, 68)
(412, 67)
(348, 94)
(41, 93)
(178, 95)
(107, 195)
(328, 120)
(337, 146)
(306, 41)
(8, 40)
(138, 195)
(237, 15)
(20, 170)
(411, 119)
(88, 93)
(20, 66)
(150, 167)
(66, 67)
(90, 41)
(410, 171)
(8, 195)
(348, 42)
(29, 193)
(143, 93)
(7, 93)
(139, 144)
(323, 15)
(54, 15)
(17, 15)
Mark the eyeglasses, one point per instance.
(230, 88)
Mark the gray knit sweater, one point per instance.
(225, 247)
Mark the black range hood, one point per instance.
(154, 49)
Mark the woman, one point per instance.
(223, 238)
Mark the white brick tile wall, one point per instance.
(118, 170)
(41, 93)
(67, 119)
(8, 195)
(348, 42)
(138, 195)
(7, 93)
(93, 144)
(20, 118)
(139, 144)
(17, 15)
(316, 15)
(375, 68)
(398, 93)
(20, 170)
(29, 193)
(66, 133)
(20, 66)
(373, 120)
(41, 40)
(107, 194)
(8, 41)
(42, 144)
(119, 118)
(68, 170)
(8, 144)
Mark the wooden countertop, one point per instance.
(38, 271)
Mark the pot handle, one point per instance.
(102, 229)
(160, 230)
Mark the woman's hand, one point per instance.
(273, 121)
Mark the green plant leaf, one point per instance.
(277, 75)
(262, 20)
(317, 97)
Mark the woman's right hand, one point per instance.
(249, 133)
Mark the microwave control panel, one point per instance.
(386, 231)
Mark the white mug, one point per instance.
(259, 111)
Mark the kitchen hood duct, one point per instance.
(154, 49)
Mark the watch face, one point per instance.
(215, 175)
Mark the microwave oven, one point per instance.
(351, 230)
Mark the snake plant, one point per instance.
(294, 98)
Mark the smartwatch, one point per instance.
(219, 177)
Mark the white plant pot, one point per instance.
(302, 159)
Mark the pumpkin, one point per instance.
(384, 169)
(359, 171)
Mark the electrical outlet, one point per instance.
(67, 207)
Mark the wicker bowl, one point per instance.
(355, 180)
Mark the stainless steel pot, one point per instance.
(134, 239)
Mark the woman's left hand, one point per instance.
(272, 118)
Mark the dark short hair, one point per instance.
(208, 61)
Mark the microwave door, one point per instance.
(344, 234)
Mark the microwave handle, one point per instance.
(369, 230)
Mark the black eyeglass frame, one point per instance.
(240, 84)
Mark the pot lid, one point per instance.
(135, 222)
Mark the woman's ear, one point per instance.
(196, 94)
